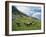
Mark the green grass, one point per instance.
(36, 24)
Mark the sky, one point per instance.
(33, 11)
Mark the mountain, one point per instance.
(18, 13)
(15, 11)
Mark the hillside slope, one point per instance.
(21, 21)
